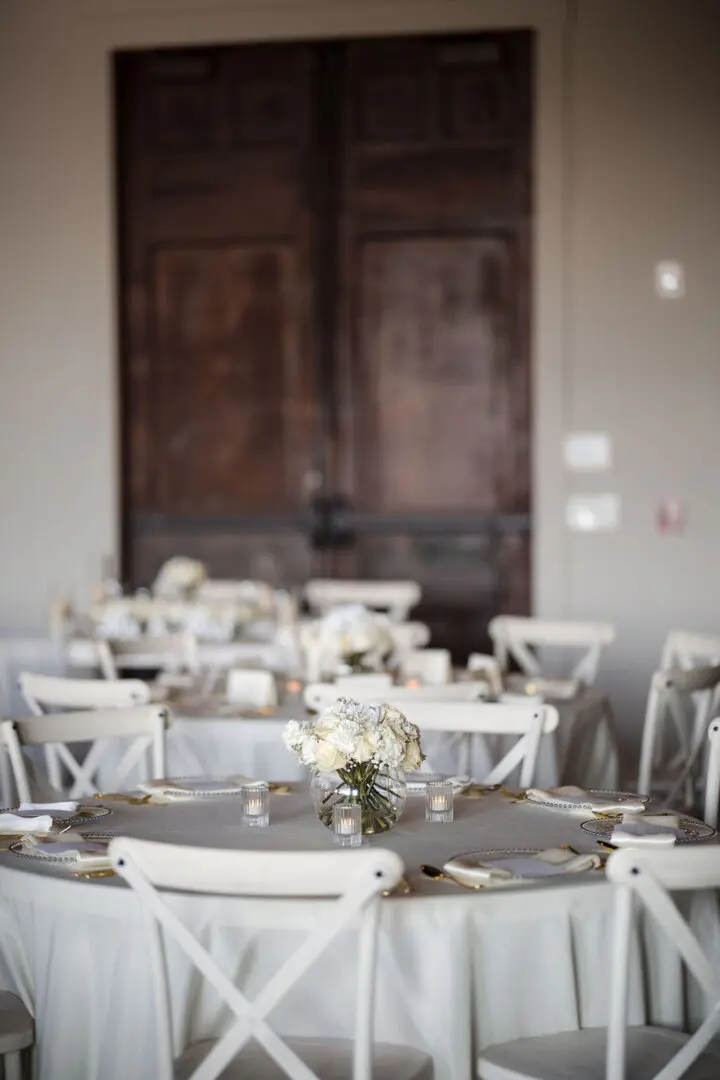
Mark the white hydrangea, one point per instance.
(349, 733)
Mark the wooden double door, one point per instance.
(324, 314)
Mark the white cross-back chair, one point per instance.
(395, 597)
(216, 660)
(169, 653)
(250, 1047)
(689, 698)
(432, 667)
(255, 688)
(712, 776)
(43, 693)
(686, 649)
(489, 668)
(319, 696)
(17, 1033)
(465, 719)
(619, 1052)
(48, 693)
(515, 637)
(408, 636)
(145, 725)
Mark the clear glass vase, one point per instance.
(380, 793)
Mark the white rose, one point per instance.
(413, 756)
(294, 734)
(327, 757)
(366, 747)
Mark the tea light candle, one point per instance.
(412, 683)
(439, 802)
(293, 686)
(256, 805)
(347, 825)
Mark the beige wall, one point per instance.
(627, 172)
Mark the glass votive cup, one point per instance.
(347, 824)
(256, 805)
(439, 802)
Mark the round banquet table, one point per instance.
(212, 738)
(457, 969)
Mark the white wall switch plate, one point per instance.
(593, 513)
(587, 451)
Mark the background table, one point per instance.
(457, 969)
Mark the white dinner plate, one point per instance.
(691, 830)
(197, 787)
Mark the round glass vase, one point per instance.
(380, 793)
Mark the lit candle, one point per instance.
(439, 802)
(293, 686)
(347, 825)
(412, 683)
(256, 805)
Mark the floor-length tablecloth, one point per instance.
(457, 969)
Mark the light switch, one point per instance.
(587, 451)
(593, 513)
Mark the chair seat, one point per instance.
(17, 1027)
(331, 1059)
(580, 1055)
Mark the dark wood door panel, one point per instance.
(234, 400)
(434, 367)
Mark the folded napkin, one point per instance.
(647, 830)
(472, 870)
(575, 798)
(89, 854)
(49, 807)
(17, 823)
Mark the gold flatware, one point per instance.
(476, 791)
(91, 875)
(133, 800)
(280, 789)
(569, 848)
(608, 847)
(436, 874)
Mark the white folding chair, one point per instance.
(465, 719)
(256, 1050)
(395, 597)
(712, 776)
(431, 667)
(255, 688)
(689, 697)
(684, 648)
(319, 696)
(489, 668)
(145, 724)
(514, 637)
(621, 1052)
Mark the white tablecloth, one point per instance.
(457, 969)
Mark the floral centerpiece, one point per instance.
(352, 636)
(358, 754)
(179, 578)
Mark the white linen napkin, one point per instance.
(87, 854)
(16, 823)
(471, 870)
(576, 798)
(51, 807)
(647, 830)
